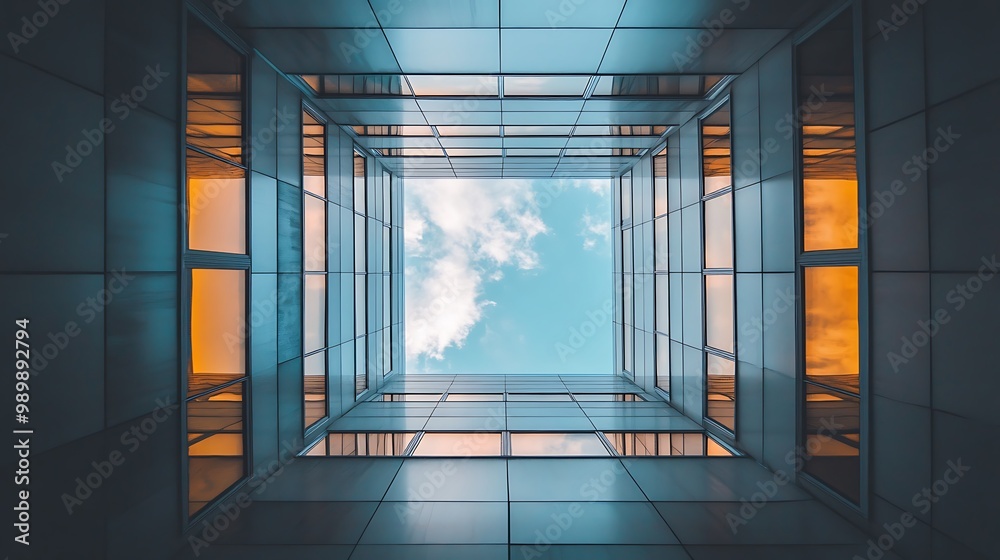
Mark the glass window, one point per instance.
(613, 130)
(214, 110)
(557, 445)
(716, 151)
(473, 397)
(216, 205)
(314, 236)
(360, 308)
(216, 448)
(314, 384)
(218, 328)
(833, 454)
(468, 130)
(663, 303)
(410, 397)
(537, 397)
(626, 198)
(477, 444)
(360, 244)
(720, 392)
(653, 444)
(719, 232)
(657, 86)
(358, 84)
(832, 327)
(313, 154)
(830, 262)
(458, 86)
(386, 300)
(661, 244)
(829, 145)
(660, 183)
(360, 183)
(360, 365)
(608, 397)
(540, 130)
(663, 362)
(719, 312)
(404, 130)
(314, 313)
(565, 86)
(378, 444)
(627, 250)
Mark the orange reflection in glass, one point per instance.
(215, 444)
(831, 325)
(216, 205)
(218, 328)
(830, 214)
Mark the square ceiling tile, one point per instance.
(466, 118)
(553, 51)
(325, 51)
(299, 14)
(446, 51)
(437, 13)
(781, 14)
(540, 118)
(560, 13)
(677, 51)
(542, 105)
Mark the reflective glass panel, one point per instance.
(473, 444)
(457, 85)
(556, 444)
(566, 86)
(314, 236)
(314, 388)
(719, 232)
(539, 397)
(663, 362)
(720, 393)
(831, 326)
(376, 444)
(313, 154)
(473, 397)
(314, 313)
(829, 146)
(716, 150)
(660, 183)
(215, 444)
(215, 85)
(216, 205)
(218, 328)
(832, 431)
(719, 313)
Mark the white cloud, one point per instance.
(463, 233)
(594, 230)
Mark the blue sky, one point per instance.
(508, 276)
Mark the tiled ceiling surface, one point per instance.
(590, 40)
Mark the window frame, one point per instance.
(306, 107)
(715, 426)
(837, 257)
(197, 259)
